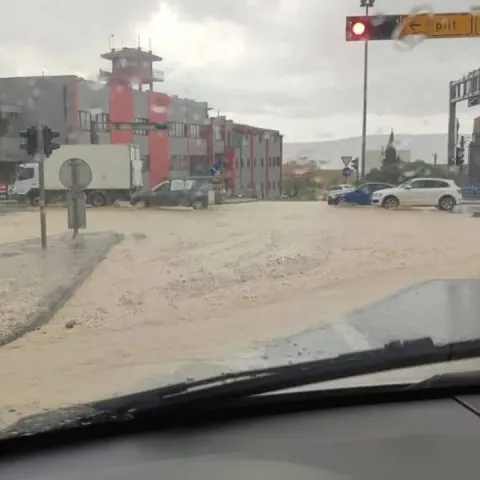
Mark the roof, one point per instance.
(249, 128)
(128, 52)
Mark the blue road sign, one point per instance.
(346, 172)
(215, 169)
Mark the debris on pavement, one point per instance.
(34, 284)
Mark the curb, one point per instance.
(51, 304)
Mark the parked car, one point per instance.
(336, 190)
(359, 196)
(420, 192)
(175, 193)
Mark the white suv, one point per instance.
(420, 192)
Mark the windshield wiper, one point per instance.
(231, 386)
(234, 386)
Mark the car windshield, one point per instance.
(178, 188)
(25, 173)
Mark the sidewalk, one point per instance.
(34, 284)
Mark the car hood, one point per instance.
(337, 193)
(387, 190)
(446, 310)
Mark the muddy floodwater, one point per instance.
(188, 285)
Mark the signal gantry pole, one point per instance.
(367, 4)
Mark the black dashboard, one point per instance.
(429, 439)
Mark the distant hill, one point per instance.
(422, 147)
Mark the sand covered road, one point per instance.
(190, 285)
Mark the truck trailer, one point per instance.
(116, 174)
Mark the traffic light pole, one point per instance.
(41, 184)
(366, 4)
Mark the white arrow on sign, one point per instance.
(346, 160)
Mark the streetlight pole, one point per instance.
(367, 4)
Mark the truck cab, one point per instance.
(26, 181)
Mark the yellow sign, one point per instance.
(440, 25)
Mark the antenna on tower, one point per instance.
(150, 44)
(122, 42)
(138, 42)
(111, 41)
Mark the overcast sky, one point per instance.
(282, 64)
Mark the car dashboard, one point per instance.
(428, 439)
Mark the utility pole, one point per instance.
(41, 182)
(434, 159)
(367, 4)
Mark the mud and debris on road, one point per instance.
(188, 285)
(34, 284)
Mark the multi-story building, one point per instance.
(252, 157)
(84, 111)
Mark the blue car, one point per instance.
(361, 195)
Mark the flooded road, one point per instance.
(188, 285)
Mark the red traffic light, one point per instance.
(358, 29)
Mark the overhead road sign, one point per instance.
(440, 25)
(396, 27)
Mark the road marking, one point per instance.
(351, 335)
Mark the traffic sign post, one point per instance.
(346, 161)
(76, 175)
(346, 172)
(397, 27)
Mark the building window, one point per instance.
(140, 130)
(84, 119)
(176, 129)
(248, 162)
(103, 122)
(236, 163)
(261, 162)
(194, 131)
(178, 162)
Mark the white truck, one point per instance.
(116, 174)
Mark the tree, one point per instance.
(401, 172)
(390, 156)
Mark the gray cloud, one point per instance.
(400, 82)
(299, 64)
(72, 33)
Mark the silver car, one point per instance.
(337, 190)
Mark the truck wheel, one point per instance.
(34, 199)
(97, 199)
